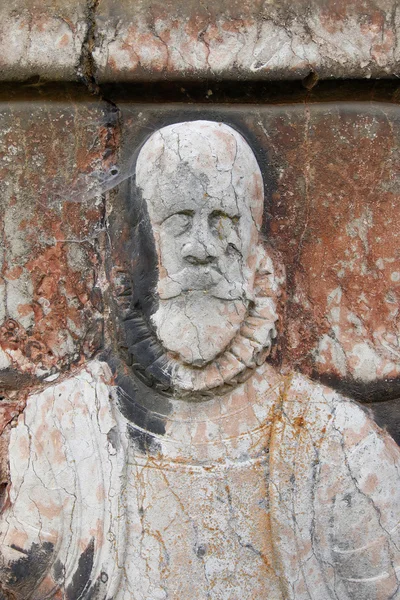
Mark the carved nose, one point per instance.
(195, 260)
(196, 252)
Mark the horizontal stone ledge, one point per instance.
(107, 41)
(204, 93)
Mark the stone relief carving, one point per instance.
(194, 467)
(215, 289)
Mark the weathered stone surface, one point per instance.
(43, 40)
(204, 466)
(60, 519)
(251, 39)
(52, 158)
(128, 40)
(331, 211)
(193, 295)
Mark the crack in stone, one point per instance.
(87, 66)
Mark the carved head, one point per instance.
(204, 194)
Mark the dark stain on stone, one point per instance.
(135, 280)
(96, 592)
(364, 392)
(135, 330)
(11, 379)
(81, 579)
(141, 416)
(144, 260)
(3, 493)
(148, 351)
(134, 412)
(144, 441)
(160, 372)
(24, 573)
(387, 416)
(140, 404)
(155, 424)
(58, 571)
(200, 550)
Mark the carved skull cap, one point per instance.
(214, 153)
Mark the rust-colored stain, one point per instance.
(50, 314)
(299, 422)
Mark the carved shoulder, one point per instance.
(335, 480)
(59, 528)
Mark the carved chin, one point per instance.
(196, 327)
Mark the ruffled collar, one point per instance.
(248, 349)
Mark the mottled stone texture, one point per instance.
(124, 480)
(122, 40)
(42, 40)
(52, 156)
(331, 210)
(332, 196)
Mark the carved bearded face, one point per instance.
(204, 193)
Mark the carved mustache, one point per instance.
(206, 278)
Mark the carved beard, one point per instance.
(248, 347)
(195, 326)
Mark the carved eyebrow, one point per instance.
(220, 213)
(186, 213)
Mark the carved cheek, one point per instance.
(158, 242)
(233, 240)
(170, 254)
(185, 247)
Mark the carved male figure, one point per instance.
(225, 478)
(275, 487)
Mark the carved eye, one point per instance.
(222, 224)
(178, 223)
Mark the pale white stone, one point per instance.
(335, 352)
(19, 298)
(61, 473)
(46, 43)
(4, 360)
(206, 235)
(265, 46)
(273, 487)
(366, 361)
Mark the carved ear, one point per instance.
(122, 287)
(270, 283)
(271, 274)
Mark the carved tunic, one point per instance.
(280, 490)
(196, 501)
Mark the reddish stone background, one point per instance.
(333, 213)
(332, 207)
(51, 222)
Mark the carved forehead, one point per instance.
(205, 156)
